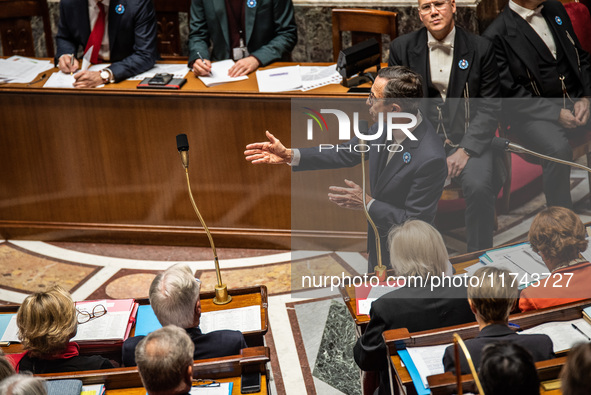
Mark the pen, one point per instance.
(203, 60)
(4, 344)
(277, 74)
(581, 332)
(39, 80)
(72, 58)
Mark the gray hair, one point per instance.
(417, 248)
(163, 358)
(174, 294)
(404, 86)
(23, 384)
(6, 368)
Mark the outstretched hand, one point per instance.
(351, 197)
(272, 151)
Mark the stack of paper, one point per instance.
(564, 334)
(113, 327)
(219, 74)
(93, 389)
(290, 78)
(19, 69)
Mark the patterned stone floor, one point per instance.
(310, 335)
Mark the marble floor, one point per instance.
(311, 335)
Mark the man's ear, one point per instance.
(189, 374)
(472, 307)
(395, 107)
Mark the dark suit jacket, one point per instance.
(270, 30)
(416, 309)
(401, 190)
(540, 346)
(73, 364)
(132, 34)
(517, 56)
(481, 75)
(210, 345)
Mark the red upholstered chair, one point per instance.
(581, 19)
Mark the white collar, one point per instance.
(448, 40)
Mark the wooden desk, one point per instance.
(241, 297)
(102, 165)
(225, 369)
(400, 338)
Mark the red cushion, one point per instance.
(581, 20)
(522, 175)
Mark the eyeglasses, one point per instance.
(84, 316)
(205, 383)
(438, 5)
(372, 98)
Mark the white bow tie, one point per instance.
(447, 47)
(532, 13)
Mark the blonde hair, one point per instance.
(558, 233)
(47, 321)
(417, 248)
(495, 295)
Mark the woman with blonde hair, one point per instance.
(417, 253)
(46, 322)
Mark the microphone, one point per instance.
(380, 269)
(221, 290)
(182, 145)
(500, 143)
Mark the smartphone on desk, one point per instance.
(250, 383)
(160, 79)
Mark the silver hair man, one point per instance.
(23, 384)
(174, 296)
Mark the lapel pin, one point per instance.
(406, 157)
(463, 64)
(120, 9)
(558, 20)
(251, 3)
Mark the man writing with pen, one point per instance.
(120, 32)
(253, 33)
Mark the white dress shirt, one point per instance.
(537, 21)
(441, 56)
(93, 12)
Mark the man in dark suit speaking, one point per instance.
(460, 78)
(122, 32)
(404, 185)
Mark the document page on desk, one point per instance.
(223, 389)
(280, 79)
(65, 80)
(428, 360)
(562, 333)
(20, 69)
(219, 74)
(243, 319)
(178, 70)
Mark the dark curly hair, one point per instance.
(558, 234)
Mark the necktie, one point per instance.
(447, 47)
(96, 36)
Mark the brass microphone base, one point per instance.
(221, 295)
(380, 271)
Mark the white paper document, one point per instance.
(20, 69)
(281, 79)
(223, 389)
(564, 336)
(243, 319)
(219, 74)
(316, 76)
(176, 69)
(66, 80)
(428, 360)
